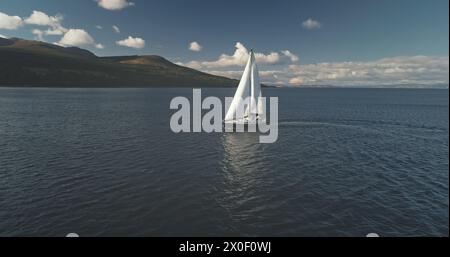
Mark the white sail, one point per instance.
(256, 101)
(249, 87)
(242, 92)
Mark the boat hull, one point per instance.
(246, 123)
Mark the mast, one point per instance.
(254, 82)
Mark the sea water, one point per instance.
(104, 162)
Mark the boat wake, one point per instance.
(356, 124)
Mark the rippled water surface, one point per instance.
(104, 162)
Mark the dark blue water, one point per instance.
(104, 162)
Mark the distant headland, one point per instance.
(28, 63)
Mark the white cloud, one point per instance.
(296, 81)
(39, 34)
(291, 56)
(388, 71)
(10, 22)
(78, 37)
(99, 27)
(42, 19)
(192, 64)
(195, 46)
(132, 42)
(412, 70)
(116, 29)
(53, 23)
(311, 24)
(55, 31)
(114, 5)
(270, 58)
(403, 70)
(239, 58)
(71, 37)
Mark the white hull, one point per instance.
(244, 121)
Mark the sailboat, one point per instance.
(248, 95)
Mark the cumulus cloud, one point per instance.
(291, 56)
(238, 58)
(195, 46)
(114, 5)
(99, 27)
(53, 24)
(132, 42)
(311, 24)
(10, 22)
(52, 32)
(116, 29)
(42, 19)
(79, 37)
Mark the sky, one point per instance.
(320, 42)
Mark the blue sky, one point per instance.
(341, 33)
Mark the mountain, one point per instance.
(40, 64)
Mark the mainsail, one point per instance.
(248, 94)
